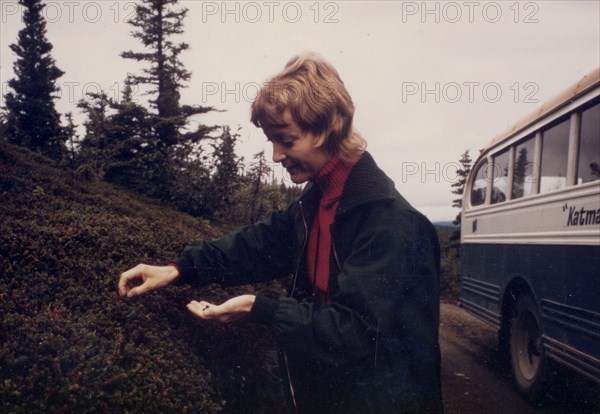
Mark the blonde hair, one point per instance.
(312, 91)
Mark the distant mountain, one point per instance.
(444, 224)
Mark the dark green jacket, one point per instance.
(374, 348)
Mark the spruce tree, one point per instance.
(95, 146)
(32, 120)
(156, 22)
(462, 174)
(3, 125)
(259, 170)
(70, 133)
(225, 179)
(119, 139)
(130, 140)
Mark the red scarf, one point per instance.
(330, 179)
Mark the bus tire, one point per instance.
(526, 348)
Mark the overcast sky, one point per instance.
(428, 79)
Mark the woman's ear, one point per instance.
(319, 141)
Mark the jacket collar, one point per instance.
(366, 183)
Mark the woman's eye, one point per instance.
(283, 140)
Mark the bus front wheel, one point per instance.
(526, 347)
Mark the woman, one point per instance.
(358, 331)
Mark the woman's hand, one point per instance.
(144, 278)
(232, 310)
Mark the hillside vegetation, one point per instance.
(69, 343)
(449, 263)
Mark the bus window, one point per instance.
(555, 147)
(479, 185)
(589, 146)
(500, 187)
(523, 174)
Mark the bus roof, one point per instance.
(589, 81)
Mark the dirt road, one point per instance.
(474, 379)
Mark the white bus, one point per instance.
(530, 237)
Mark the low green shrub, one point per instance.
(69, 343)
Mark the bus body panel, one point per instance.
(569, 217)
(565, 281)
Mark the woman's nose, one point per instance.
(278, 152)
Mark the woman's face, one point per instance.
(296, 150)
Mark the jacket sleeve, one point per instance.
(252, 254)
(384, 300)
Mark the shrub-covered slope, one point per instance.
(68, 343)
